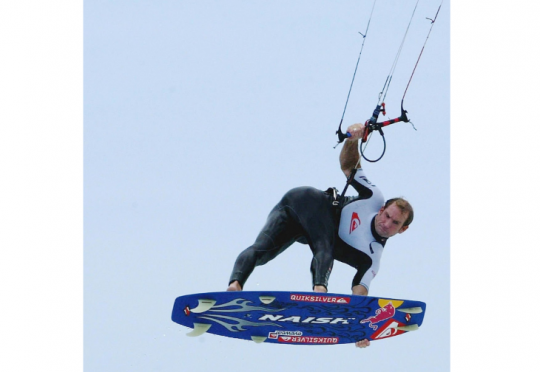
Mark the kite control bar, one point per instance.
(372, 125)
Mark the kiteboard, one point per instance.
(297, 318)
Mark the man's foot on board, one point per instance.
(320, 289)
(234, 286)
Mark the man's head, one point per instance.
(394, 217)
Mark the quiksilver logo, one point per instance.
(326, 299)
(355, 222)
(309, 340)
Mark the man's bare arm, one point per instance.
(349, 158)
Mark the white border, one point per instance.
(41, 167)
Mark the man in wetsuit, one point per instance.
(354, 235)
(366, 220)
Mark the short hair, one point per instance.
(404, 206)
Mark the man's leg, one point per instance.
(313, 210)
(279, 232)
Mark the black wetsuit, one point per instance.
(306, 215)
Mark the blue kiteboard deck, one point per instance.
(297, 318)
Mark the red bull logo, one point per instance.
(381, 314)
(355, 222)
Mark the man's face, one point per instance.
(389, 221)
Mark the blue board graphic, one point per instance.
(297, 318)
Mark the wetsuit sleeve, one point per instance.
(365, 275)
(364, 188)
(377, 249)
